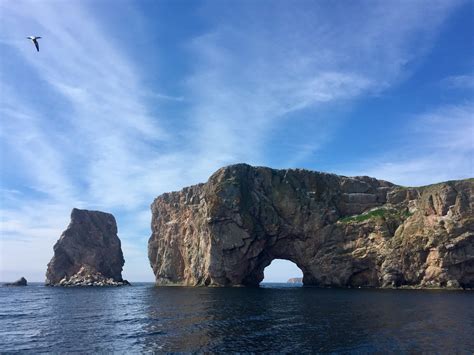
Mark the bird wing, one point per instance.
(38, 37)
(36, 45)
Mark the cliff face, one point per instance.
(88, 252)
(340, 231)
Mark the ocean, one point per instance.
(272, 318)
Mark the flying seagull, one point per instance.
(34, 39)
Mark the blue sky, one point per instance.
(130, 99)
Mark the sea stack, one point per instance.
(340, 231)
(88, 253)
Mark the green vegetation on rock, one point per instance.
(377, 213)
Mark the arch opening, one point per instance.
(283, 271)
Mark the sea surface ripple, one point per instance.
(272, 318)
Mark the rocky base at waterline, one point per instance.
(88, 253)
(89, 277)
(340, 231)
(21, 282)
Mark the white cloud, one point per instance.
(459, 82)
(27, 236)
(39, 157)
(251, 73)
(439, 147)
(166, 97)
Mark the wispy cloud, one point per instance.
(439, 147)
(41, 162)
(251, 74)
(459, 82)
(27, 235)
(109, 132)
(166, 97)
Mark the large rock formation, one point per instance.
(340, 231)
(88, 253)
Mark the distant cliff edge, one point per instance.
(295, 280)
(340, 231)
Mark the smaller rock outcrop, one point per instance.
(295, 280)
(20, 282)
(88, 253)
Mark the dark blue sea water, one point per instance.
(273, 318)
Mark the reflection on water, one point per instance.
(273, 318)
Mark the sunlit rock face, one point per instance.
(88, 252)
(340, 231)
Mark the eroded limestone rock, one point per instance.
(340, 231)
(88, 253)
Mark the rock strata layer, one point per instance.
(21, 282)
(88, 253)
(340, 231)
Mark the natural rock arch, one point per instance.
(282, 271)
(256, 275)
(340, 231)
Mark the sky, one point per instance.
(127, 100)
